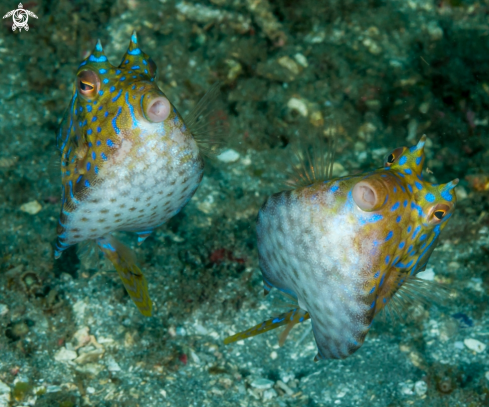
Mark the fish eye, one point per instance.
(152, 67)
(88, 84)
(393, 156)
(438, 212)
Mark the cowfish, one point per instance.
(344, 248)
(129, 162)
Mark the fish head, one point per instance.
(407, 214)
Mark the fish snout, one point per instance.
(369, 194)
(156, 107)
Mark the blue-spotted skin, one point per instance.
(344, 264)
(119, 170)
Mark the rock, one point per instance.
(290, 64)
(273, 355)
(269, 394)
(235, 69)
(428, 274)
(475, 345)
(112, 365)
(420, 387)
(3, 310)
(298, 105)
(262, 384)
(301, 60)
(228, 156)
(285, 388)
(31, 208)
(91, 356)
(4, 388)
(65, 355)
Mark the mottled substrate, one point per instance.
(388, 71)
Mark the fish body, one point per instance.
(128, 160)
(342, 248)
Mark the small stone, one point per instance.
(65, 355)
(235, 69)
(285, 388)
(90, 390)
(262, 384)
(290, 64)
(423, 108)
(428, 274)
(317, 120)
(298, 105)
(407, 388)
(228, 156)
(458, 345)
(3, 310)
(475, 345)
(420, 387)
(487, 375)
(4, 388)
(301, 60)
(461, 193)
(273, 355)
(31, 208)
(90, 357)
(269, 394)
(372, 46)
(112, 365)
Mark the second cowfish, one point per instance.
(344, 248)
(129, 162)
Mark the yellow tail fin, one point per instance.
(133, 279)
(290, 318)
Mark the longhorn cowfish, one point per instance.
(129, 162)
(344, 248)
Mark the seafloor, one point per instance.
(387, 71)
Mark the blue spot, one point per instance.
(403, 161)
(446, 195)
(145, 71)
(94, 156)
(106, 114)
(117, 97)
(114, 121)
(79, 178)
(430, 197)
(89, 144)
(96, 169)
(104, 157)
(123, 78)
(410, 188)
(409, 264)
(422, 237)
(134, 39)
(418, 160)
(373, 304)
(112, 88)
(103, 70)
(418, 228)
(375, 218)
(405, 203)
(387, 258)
(94, 118)
(118, 71)
(136, 51)
(135, 67)
(134, 77)
(100, 107)
(277, 320)
(372, 290)
(410, 248)
(110, 143)
(87, 184)
(129, 71)
(398, 219)
(395, 189)
(389, 236)
(412, 149)
(100, 92)
(89, 108)
(96, 101)
(401, 245)
(98, 47)
(99, 129)
(144, 62)
(88, 166)
(99, 142)
(376, 275)
(93, 58)
(395, 206)
(89, 131)
(418, 185)
(384, 300)
(409, 228)
(105, 81)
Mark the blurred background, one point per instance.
(385, 72)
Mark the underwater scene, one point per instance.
(244, 203)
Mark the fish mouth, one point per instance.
(370, 194)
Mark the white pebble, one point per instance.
(475, 345)
(273, 355)
(262, 384)
(298, 105)
(269, 394)
(90, 390)
(112, 365)
(3, 310)
(428, 274)
(420, 387)
(65, 355)
(228, 156)
(458, 345)
(31, 208)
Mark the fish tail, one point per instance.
(124, 261)
(290, 318)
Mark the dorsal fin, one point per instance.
(205, 123)
(313, 160)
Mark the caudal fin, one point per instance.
(124, 261)
(290, 318)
